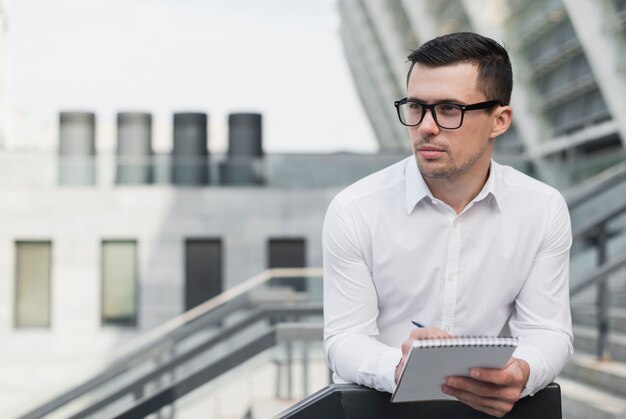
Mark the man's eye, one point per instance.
(448, 109)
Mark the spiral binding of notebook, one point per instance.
(467, 341)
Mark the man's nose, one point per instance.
(428, 125)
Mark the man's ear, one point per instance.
(502, 121)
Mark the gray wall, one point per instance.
(160, 218)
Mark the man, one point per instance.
(450, 239)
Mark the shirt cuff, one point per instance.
(387, 369)
(537, 375)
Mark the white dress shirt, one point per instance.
(393, 253)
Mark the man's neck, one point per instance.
(458, 191)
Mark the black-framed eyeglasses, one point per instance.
(446, 115)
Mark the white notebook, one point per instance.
(431, 361)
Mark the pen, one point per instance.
(417, 324)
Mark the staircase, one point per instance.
(594, 386)
(216, 360)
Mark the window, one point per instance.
(579, 112)
(32, 291)
(562, 78)
(287, 253)
(203, 270)
(553, 44)
(119, 283)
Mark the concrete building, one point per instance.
(568, 62)
(98, 249)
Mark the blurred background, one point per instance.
(280, 59)
(156, 157)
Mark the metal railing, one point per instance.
(185, 353)
(285, 332)
(350, 401)
(595, 231)
(595, 186)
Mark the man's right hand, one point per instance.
(418, 334)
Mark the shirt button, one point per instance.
(455, 223)
(447, 329)
(452, 276)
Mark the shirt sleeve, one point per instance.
(542, 318)
(351, 307)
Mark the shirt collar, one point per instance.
(492, 186)
(416, 188)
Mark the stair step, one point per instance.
(606, 375)
(581, 401)
(585, 338)
(586, 315)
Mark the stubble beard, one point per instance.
(448, 169)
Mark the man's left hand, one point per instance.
(491, 391)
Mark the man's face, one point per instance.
(444, 153)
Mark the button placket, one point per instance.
(451, 276)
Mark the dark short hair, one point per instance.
(495, 75)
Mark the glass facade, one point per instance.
(556, 42)
(568, 74)
(573, 72)
(578, 112)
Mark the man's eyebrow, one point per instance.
(444, 100)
